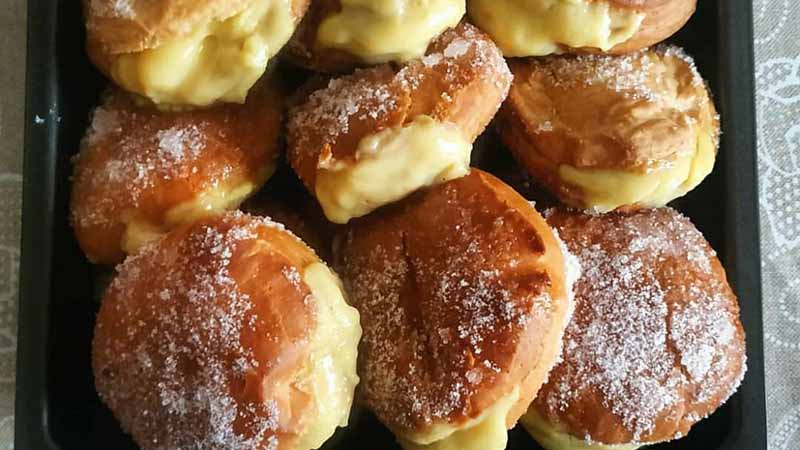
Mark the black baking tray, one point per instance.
(56, 405)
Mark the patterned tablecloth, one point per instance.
(777, 43)
(777, 47)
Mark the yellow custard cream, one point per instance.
(391, 164)
(220, 61)
(332, 373)
(606, 190)
(208, 203)
(540, 27)
(377, 31)
(486, 432)
(138, 233)
(551, 439)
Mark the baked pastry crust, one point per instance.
(202, 337)
(655, 343)
(462, 65)
(463, 294)
(183, 54)
(636, 114)
(662, 19)
(137, 164)
(128, 26)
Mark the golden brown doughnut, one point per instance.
(609, 132)
(228, 333)
(464, 292)
(655, 343)
(141, 171)
(543, 27)
(375, 136)
(338, 35)
(188, 52)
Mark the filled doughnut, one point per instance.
(373, 137)
(612, 132)
(543, 27)
(337, 35)
(188, 52)
(228, 333)
(464, 292)
(655, 344)
(141, 171)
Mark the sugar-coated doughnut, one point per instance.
(464, 292)
(655, 343)
(612, 132)
(141, 171)
(228, 333)
(188, 52)
(373, 137)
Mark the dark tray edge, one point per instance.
(742, 244)
(41, 100)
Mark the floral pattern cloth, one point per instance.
(777, 48)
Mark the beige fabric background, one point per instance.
(777, 24)
(778, 79)
(12, 80)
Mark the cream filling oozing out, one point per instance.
(486, 432)
(210, 202)
(378, 31)
(219, 61)
(332, 374)
(390, 165)
(606, 190)
(552, 439)
(541, 27)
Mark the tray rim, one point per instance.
(741, 218)
(742, 248)
(38, 198)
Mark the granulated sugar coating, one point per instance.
(357, 98)
(655, 343)
(138, 165)
(118, 167)
(459, 301)
(193, 351)
(638, 75)
(329, 124)
(130, 151)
